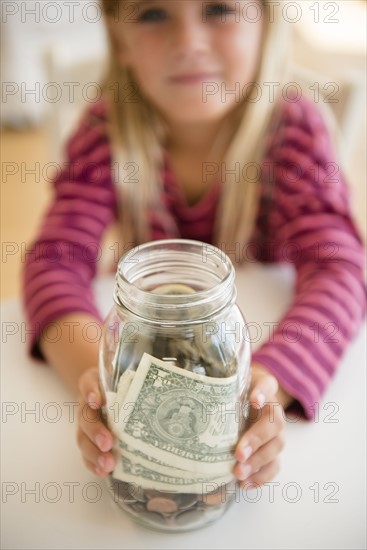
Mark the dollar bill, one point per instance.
(147, 478)
(149, 462)
(181, 418)
(115, 401)
(134, 456)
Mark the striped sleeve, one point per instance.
(311, 225)
(63, 258)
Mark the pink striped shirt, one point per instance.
(304, 218)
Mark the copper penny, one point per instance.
(162, 505)
(214, 498)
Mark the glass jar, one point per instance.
(174, 368)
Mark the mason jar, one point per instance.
(174, 368)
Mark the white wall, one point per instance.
(28, 29)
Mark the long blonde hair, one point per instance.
(137, 133)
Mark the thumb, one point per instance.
(264, 386)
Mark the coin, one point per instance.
(173, 289)
(213, 498)
(138, 507)
(186, 501)
(153, 493)
(121, 491)
(162, 505)
(136, 492)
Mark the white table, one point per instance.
(39, 454)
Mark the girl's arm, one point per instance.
(60, 267)
(57, 278)
(72, 353)
(311, 225)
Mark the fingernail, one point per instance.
(261, 399)
(247, 452)
(244, 471)
(93, 401)
(106, 463)
(102, 442)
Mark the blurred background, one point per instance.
(53, 54)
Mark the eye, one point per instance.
(218, 9)
(152, 15)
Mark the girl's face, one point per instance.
(192, 59)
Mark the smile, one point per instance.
(196, 78)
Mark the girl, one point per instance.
(188, 100)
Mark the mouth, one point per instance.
(194, 78)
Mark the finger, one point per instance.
(94, 470)
(269, 424)
(266, 454)
(264, 475)
(91, 425)
(264, 389)
(91, 453)
(89, 388)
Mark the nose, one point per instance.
(189, 38)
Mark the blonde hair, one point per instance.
(137, 133)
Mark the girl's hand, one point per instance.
(259, 446)
(93, 437)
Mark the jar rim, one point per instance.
(216, 268)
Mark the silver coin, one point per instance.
(121, 491)
(138, 507)
(136, 492)
(186, 501)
